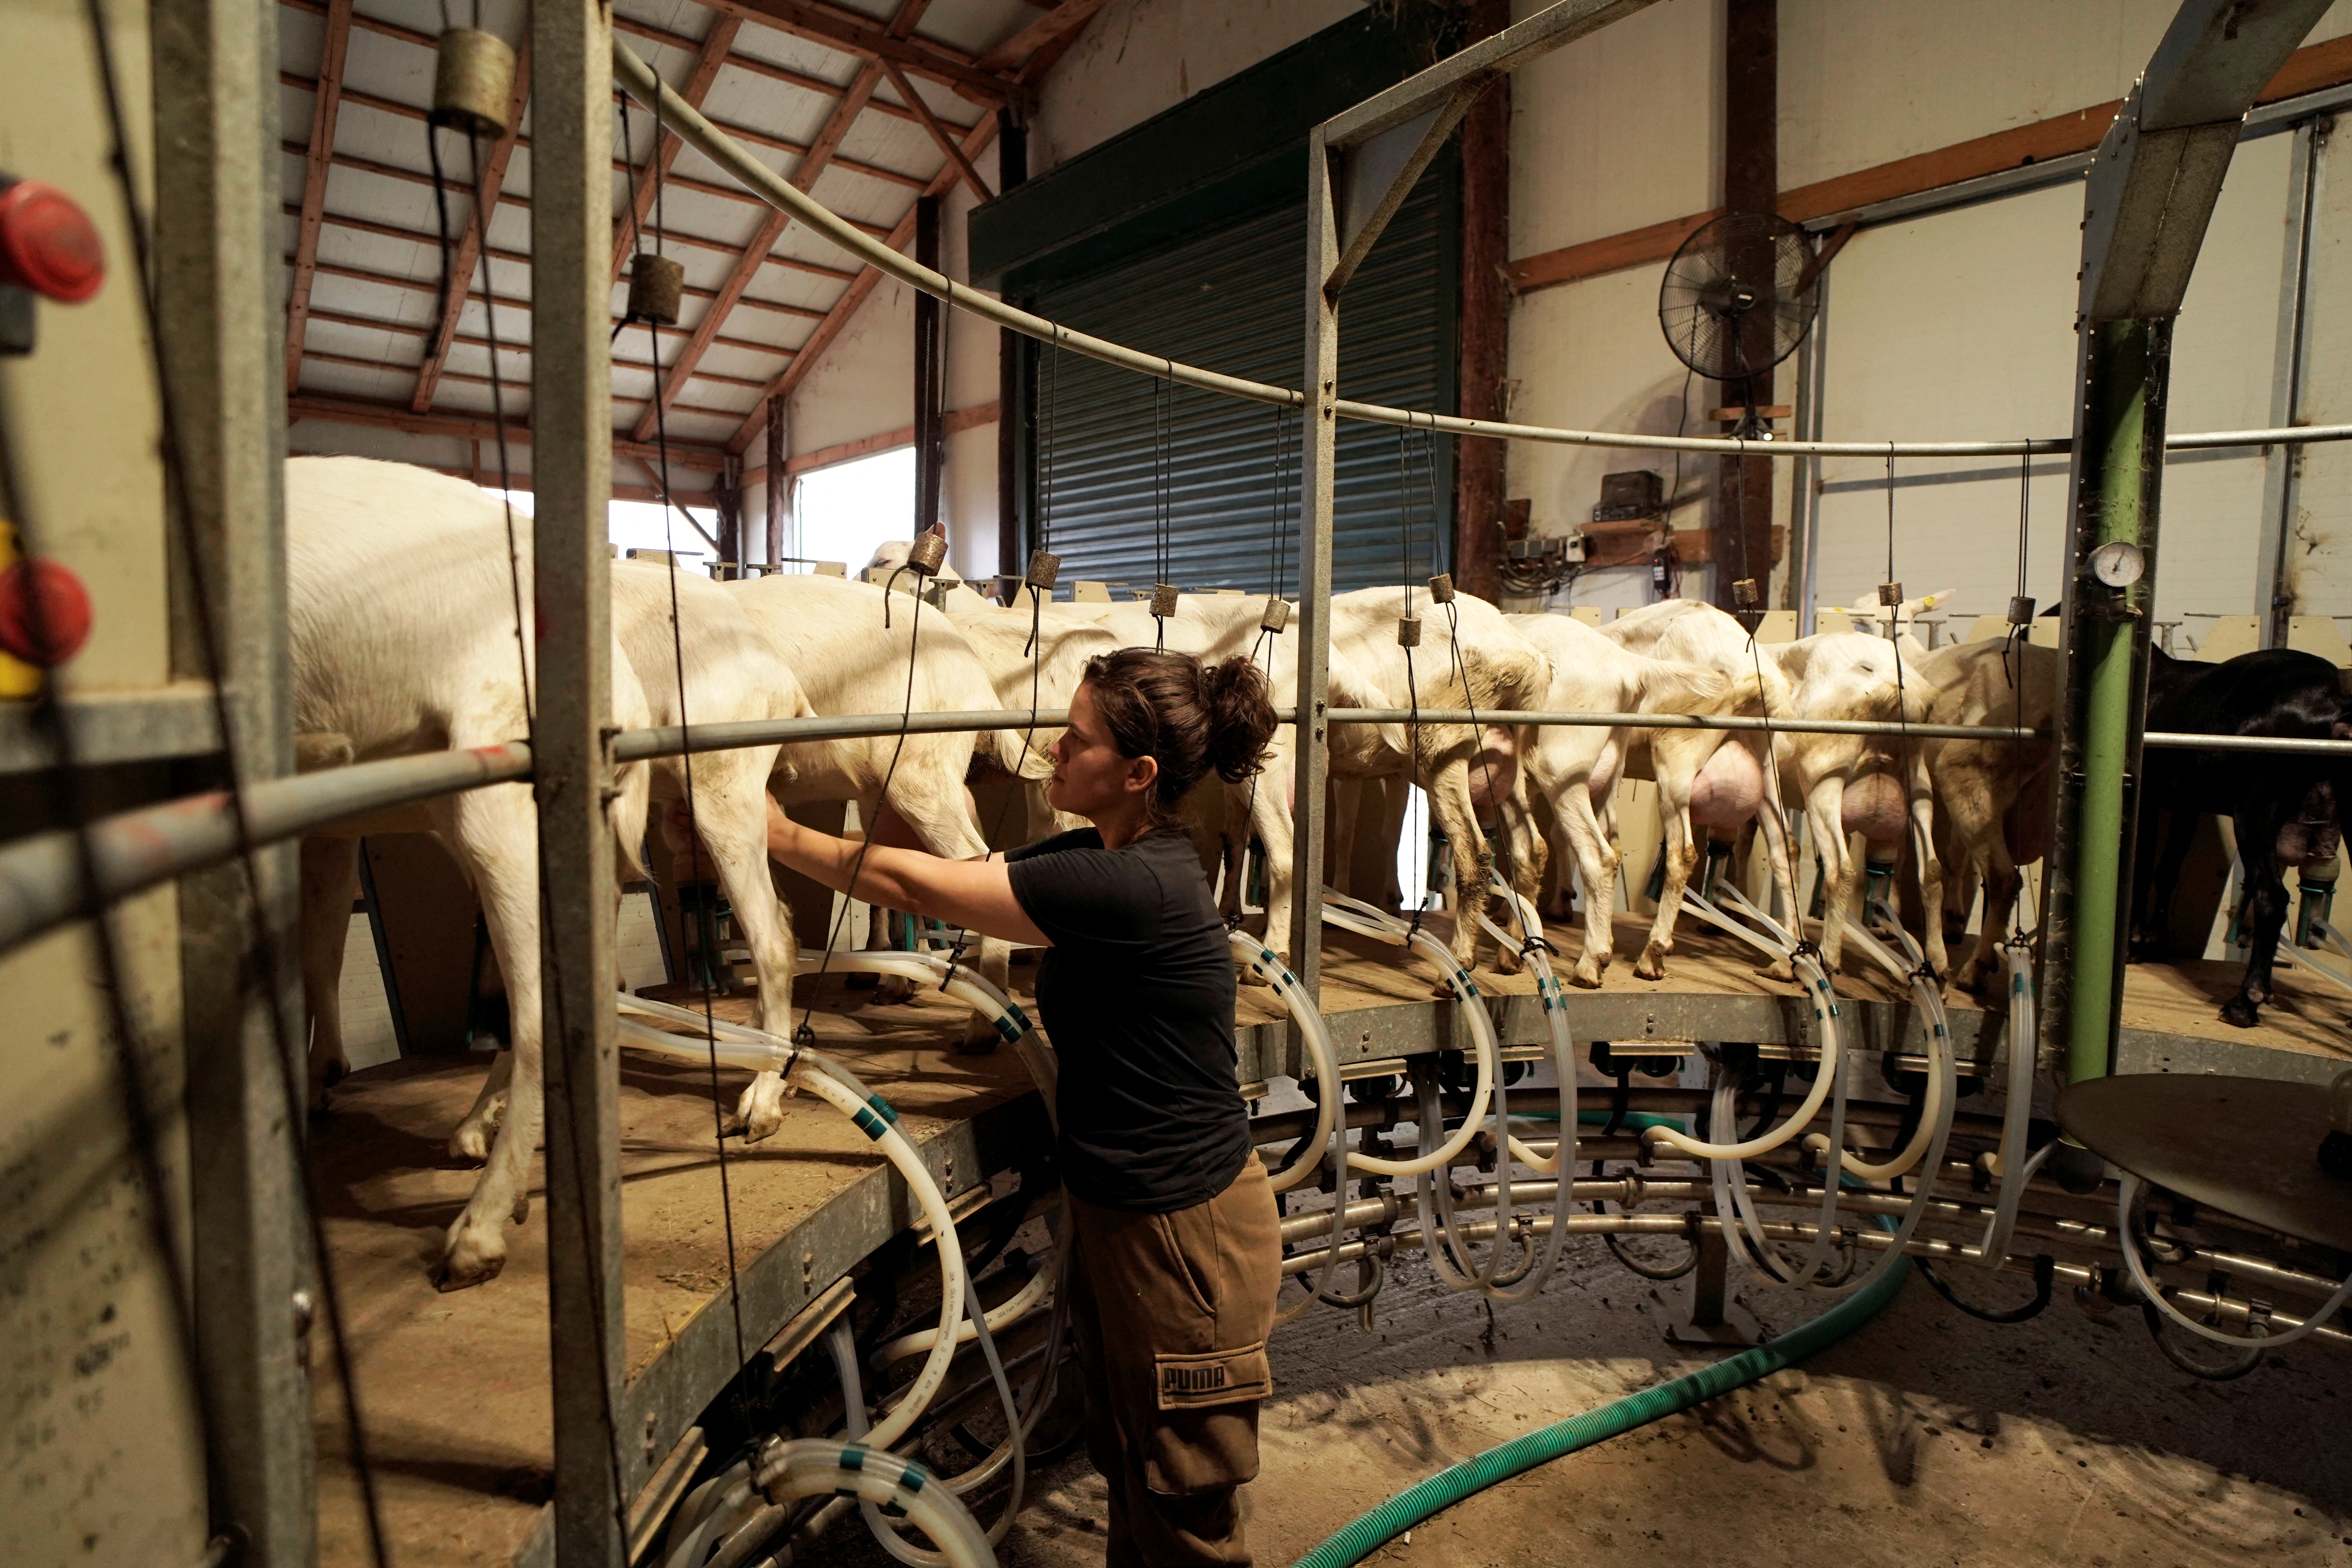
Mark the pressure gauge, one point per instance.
(2118, 564)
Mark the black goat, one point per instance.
(2285, 809)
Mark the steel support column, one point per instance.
(2150, 194)
(571, 430)
(2283, 466)
(1319, 452)
(216, 239)
(2119, 475)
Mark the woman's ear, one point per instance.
(1142, 773)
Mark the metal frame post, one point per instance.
(1805, 483)
(571, 433)
(215, 104)
(2283, 466)
(1319, 453)
(2150, 194)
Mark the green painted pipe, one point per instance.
(2119, 365)
(1371, 1531)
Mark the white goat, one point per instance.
(1704, 778)
(853, 656)
(402, 636)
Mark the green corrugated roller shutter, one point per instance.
(1114, 452)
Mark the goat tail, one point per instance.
(631, 805)
(1020, 756)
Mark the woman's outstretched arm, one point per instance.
(977, 894)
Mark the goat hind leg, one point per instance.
(331, 876)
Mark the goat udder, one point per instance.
(1493, 772)
(1874, 808)
(1727, 789)
(2305, 843)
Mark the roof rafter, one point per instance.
(860, 36)
(772, 227)
(400, 416)
(813, 347)
(630, 25)
(939, 132)
(1063, 19)
(707, 61)
(319, 156)
(490, 178)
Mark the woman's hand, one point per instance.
(973, 894)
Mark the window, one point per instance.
(846, 512)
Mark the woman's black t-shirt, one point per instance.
(1137, 992)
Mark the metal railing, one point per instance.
(41, 884)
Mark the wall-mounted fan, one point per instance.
(1739, 295)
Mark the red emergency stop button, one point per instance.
(47, 243)
(44, 612)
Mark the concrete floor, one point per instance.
(1927, 1437)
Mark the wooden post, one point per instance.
(1012, 169)
(726, 495)
(1742, 526)
(1486, 318)
(931, 367)
(779, 483)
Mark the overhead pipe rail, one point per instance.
(688, 123)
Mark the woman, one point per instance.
(1178, 1246)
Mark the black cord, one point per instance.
(2044, 1272)
(551, 953)
(265, 950)
(686, 767)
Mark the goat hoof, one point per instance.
(2241, 1012)
(470, 1142)
(1508, 962)
(1778, 969)
(980, 1037)
(1587, 975)
(467, 1264)
(760, 1112)
(893, 990)
(1248, 976)
(1651, 964)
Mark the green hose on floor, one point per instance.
(1371, 1531)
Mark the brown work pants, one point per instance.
(1170, 1314)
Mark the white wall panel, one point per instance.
(1960, 326)
(2319, 553)
(1620, 130)
(1864, 83)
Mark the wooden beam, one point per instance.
(477, 234)
(2309, 69)
(939, 132)
(813, 347)
(772, 227)
(1741, 527)
(1065, 19)
(707, 61)
(399, 416)
(1483, 350)
(860, 35)
(325, 106)
(1612, 253)
(958, 421)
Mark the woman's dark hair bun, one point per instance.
(1240, 717)
(1190, 718)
